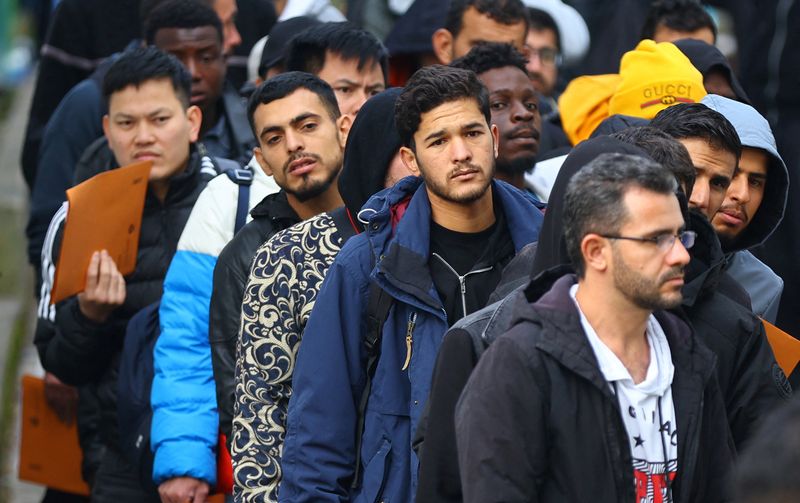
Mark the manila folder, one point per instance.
(49, 453)
(104, 213)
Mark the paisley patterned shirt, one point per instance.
(285, 278)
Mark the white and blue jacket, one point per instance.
(185, 428)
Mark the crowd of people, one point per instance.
(464, 250)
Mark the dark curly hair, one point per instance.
(180, 14)
(506, 12)
(490, 55)
(432, 86)
(678, 15)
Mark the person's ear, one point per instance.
(195, 118)
(442, 41)
(343, 125)
(409, 159)
(261, 161)
(595, 250)
(495, 140)
(106, 123)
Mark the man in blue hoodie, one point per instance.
(436, 246)
(753, 205)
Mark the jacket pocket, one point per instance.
(375, 474)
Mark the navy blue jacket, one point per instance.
(319, 453)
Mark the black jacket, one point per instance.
(538, 422)
(81, 352)
(271, 215)
(718, 308)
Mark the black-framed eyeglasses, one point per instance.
(664, 242)
(547, 55)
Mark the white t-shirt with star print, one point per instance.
(647, 409)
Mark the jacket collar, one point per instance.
(546, 299)
(402, 250)
(276, 207)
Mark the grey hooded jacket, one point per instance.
(762, 284)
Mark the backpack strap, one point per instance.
(241, 176)
(378, 305)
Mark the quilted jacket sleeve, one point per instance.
(185, 424)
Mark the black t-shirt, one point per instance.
(455, 257)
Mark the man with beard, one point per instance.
(753, 205)
(435, 245)
(514, 106)
(301, 138)
(594, 381)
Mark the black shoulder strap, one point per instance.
(241, 176)
(379, 303)
(344, 224)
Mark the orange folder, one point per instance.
(785, 347)
(49, 453)
(105, 213)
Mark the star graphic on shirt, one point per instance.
(639, 441)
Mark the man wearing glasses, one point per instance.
(590, 393)
(543, 50)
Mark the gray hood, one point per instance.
(754, 132)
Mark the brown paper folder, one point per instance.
(785, 347)
(105, 213)
(49, 453)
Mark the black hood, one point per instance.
(371, 144)
(704, 269)
(413, 31)
(552, 249)
(706, 57)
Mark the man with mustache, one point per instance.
(301, 136)
(436, 245)
(514, 106)
(753, 205)
(595, 382)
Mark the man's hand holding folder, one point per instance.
(101, 239)
(105, 288)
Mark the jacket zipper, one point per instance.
(462, 280)
(412, 321)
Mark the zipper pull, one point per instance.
(412, 320)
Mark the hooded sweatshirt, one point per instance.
(761, 283)
(706, 57)
(552, 249)
(286, 275)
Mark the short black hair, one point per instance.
(768, 469)
(695, 120)
(678, 15)
(432, 86)
(284, 84)
(180, 14)
(663, 149)
(490, 55)
(594, 200)
(505, 12)
(306, 51)
(540, 20)
(142, 64)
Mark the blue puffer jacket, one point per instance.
(318, 457)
